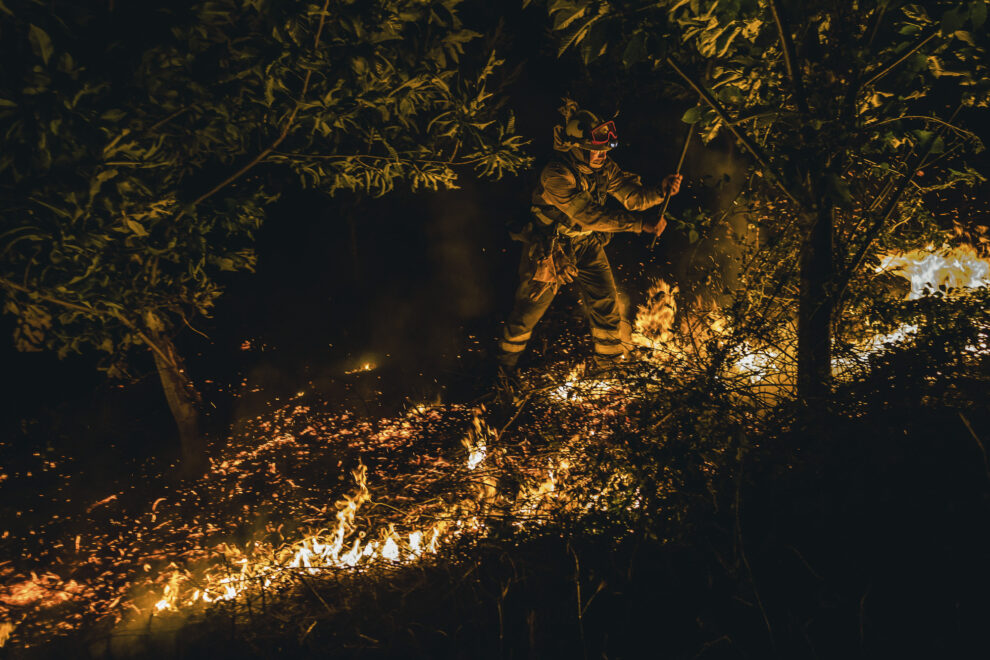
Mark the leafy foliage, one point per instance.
(854, 111)
(138, 155)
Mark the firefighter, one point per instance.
(564, 240)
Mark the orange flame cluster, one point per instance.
(343, 547)
(655, 318)
(353, 541)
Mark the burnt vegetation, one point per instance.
(793, 462)
(691, 521)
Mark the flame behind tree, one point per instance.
(932, 270)
(655, 318)
(839, 123)
(175, 558)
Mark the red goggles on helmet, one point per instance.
(605, 135)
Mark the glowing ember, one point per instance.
(46, 590)
(175, 555)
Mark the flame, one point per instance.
(944, 269)
(755, 363)
(655, 318)
(390, 550)
(339, 548)
(169, 594)
(476, 444)
(6, 628)
(579, 388)
(353, 539)
(46, 590)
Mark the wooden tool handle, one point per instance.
(666, 196)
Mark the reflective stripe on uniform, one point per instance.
(521, 338)
(511, 347)
(602, 333)
(608, 349)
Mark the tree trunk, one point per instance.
(183, 401)
(815, 309)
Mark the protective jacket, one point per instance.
(568, 205)
(571, 195)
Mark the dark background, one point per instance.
(415, 284)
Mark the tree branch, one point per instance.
(911, 51)
(876, 19)
(391, 159)
(787, 45)
(884, 215)
(958, 130)
(159, 124)
(747, 141)
(87, 310)
(285, 129)
(762, 113)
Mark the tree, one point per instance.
(138, 152)
(837, 104)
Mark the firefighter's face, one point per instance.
(597, 158)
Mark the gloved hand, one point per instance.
(671, 184)
(655, 228)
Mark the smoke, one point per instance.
(708, 270)
(458, 238)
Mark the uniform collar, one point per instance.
(581, 166)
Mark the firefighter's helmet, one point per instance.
(586, 131)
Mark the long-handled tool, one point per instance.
(666, 196)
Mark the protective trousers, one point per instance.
(597, 288)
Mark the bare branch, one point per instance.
(285, 129)
(787, 45)
(741, 135)
(911, 51)
(88, 310)
(937, 120)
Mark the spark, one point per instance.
(279, 464)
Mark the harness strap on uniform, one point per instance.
(550, 214)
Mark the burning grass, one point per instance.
(303, 498)
(301, 493)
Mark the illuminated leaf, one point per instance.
(692, 116)
(135, 227)
(41, 43)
